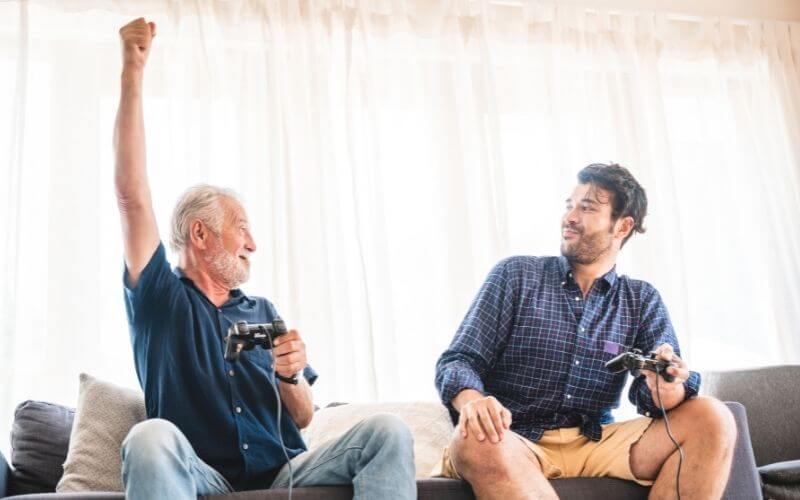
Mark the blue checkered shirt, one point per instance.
(532, 341)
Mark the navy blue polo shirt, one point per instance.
(228, 411)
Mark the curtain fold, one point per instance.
(389, 154)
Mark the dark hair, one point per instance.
(628, 198)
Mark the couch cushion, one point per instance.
(771, 397)
(104, 415)
(39, 441)
(428, 421)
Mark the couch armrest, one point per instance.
(5, 473)
(744, 482)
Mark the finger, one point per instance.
(286, 337)
(462, 426)
(475, 428)
(506, 418)
(288, 359)
(488, 425)
(665, 352)
(289, 347)
(152, 28)
(497, 420)
(680, 374)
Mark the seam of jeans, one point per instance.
(319, 464)
(194, 465)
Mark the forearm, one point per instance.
(298, 401)
(130, 175)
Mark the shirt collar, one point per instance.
(566, 272)
(235, 294)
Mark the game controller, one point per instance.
(635, 362)
(244, 337)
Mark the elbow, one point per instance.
(304, 420)
(130, 200)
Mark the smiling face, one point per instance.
(588, 232)
(228, 254)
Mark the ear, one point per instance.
(198, 234)
(623, 227)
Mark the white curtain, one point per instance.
(390, 152)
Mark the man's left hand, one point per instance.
(289, 353)
(672, 393)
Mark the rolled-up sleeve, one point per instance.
(480, 338)
(655, 328)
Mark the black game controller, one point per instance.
(635, 363)
(244, 337)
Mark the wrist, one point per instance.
(293, 379)
(132, 74)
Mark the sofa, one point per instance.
(41, 435)
(771, 400)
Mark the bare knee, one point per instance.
(484, 459)
(712, 423)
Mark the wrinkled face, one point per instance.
(587, 232)
(228, 256)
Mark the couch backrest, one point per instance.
(771, 396)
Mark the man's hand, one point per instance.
(289, 352)
(672, 393)
(137, 37)
(482, 416)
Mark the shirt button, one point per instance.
(244, 446)
(231, 373)
(583, 329)
(577, 298)
(577, 362)
(569, 396)
(647, 414)
(238, 409)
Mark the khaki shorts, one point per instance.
(564, 453)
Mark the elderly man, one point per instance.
(525, 378)
(213, 425)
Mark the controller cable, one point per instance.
(669, 433)
(274, 385)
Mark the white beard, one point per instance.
(227, 268)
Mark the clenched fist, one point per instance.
(137, 38)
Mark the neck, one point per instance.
(196, 270)
(586, 274)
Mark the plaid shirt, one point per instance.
(532, 341)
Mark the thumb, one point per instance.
(152, 28)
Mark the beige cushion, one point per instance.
(429, 423)
(104, 415)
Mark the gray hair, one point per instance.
(201, 201)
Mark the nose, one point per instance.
(250, 244)
(571, 217)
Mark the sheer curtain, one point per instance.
(389, 154)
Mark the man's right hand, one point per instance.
(137, 37)
(481, 415)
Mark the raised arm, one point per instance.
(139, 230)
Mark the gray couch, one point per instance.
(40, 437)
(772, 400)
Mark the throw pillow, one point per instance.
(39, 441)
(104, 415)
(429, 423)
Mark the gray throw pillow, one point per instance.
(104, 415)
(39, 441)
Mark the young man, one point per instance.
(213, 425)
(525, 376)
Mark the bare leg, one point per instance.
(507, 470)
(706, 431)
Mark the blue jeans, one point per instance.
(376, 456)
